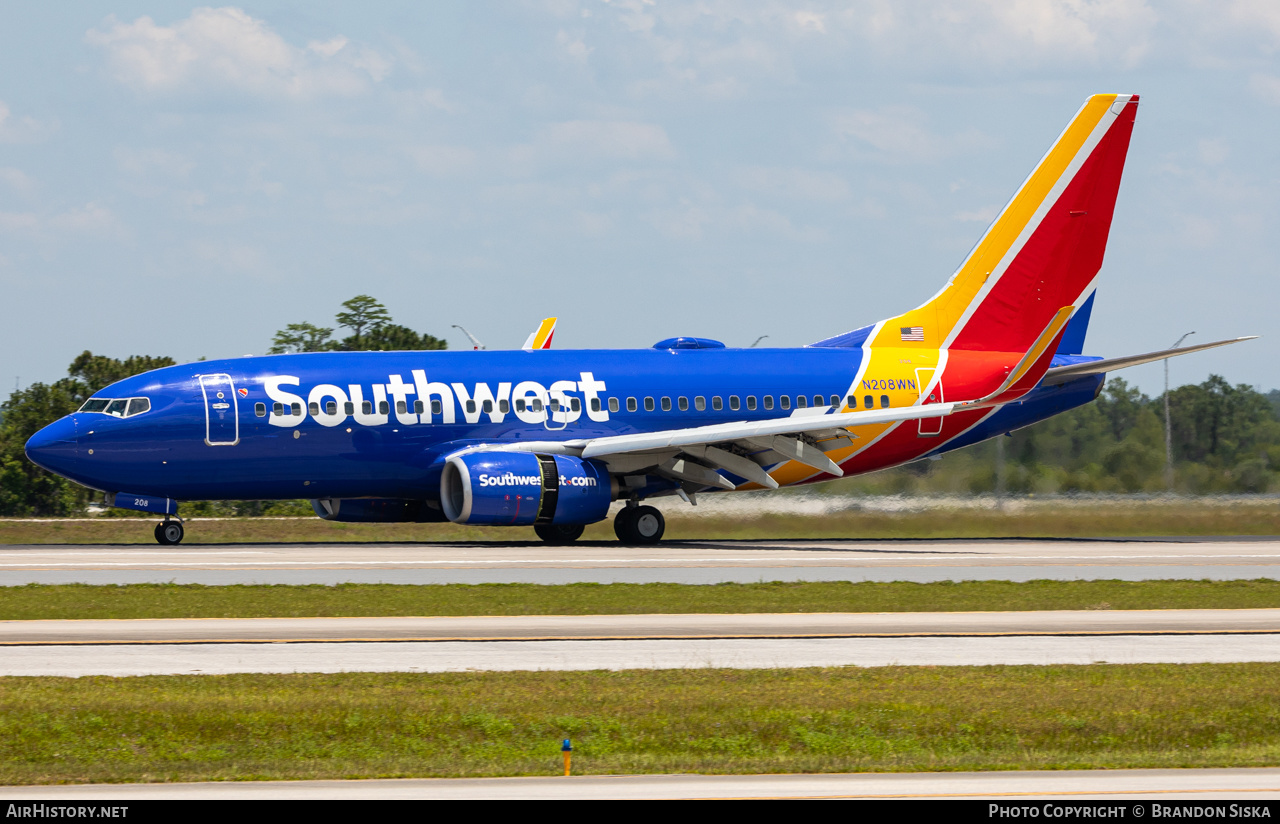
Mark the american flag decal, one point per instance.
(910, 333)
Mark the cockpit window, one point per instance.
(119, 407)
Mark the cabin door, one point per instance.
(221, 421)
(929, 427)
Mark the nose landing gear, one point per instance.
(169, 532)
(639, 525)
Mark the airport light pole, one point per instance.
(1168, 431)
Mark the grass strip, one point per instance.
(36, 601)
(363, 725)
(1126, 519)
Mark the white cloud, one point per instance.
(625, 140)
(793, 183)
(16, 179)
(900, 132)
(1267, 87)
(20, 129)
(442, 160)
(225, 48)
(90, 219)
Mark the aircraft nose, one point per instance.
(54, 447)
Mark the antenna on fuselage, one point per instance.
(475, 343)
(762, 337)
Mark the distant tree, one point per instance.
(363, 312)
(301, 337)
(98, 371)
(393, 337)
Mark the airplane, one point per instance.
(551, 439)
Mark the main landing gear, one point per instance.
(639, 525)
(169, 532)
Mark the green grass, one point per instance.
(196, 601)
(357, 725)
(1024, 518)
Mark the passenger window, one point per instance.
(784, 401)
(418, 407)
(519, 404)
(137, 406)
(733, 403)
(313, 408)
(554, 406)
(751, 403)
(595, 404)
(384, 408)
(575, 404)
(884, 401)
(487, 407)
(613, 404)
(852, 402)
(683, 403)
(331, 407)
(835, 400)
(117, 408)
(716, 403)
(504, 406)
(260, 409)
(632, 406)
(648, 404)
(401, 407)
(868, 402)
(471, 407)
(277, 409)
(666, 404)
(536, 406)
(817, 400)
(297, 410)
(801, 402)
(768, 401)
(436, 407)
(367, 407)
(700, 404)
(349, 408)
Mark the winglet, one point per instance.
(541, 337)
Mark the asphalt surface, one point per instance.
(1172, 788)
(650, 627)
(617, 642)
(688, 562)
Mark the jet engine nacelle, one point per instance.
(516, 488)
(375, 510)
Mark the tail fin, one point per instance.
(1044, 250)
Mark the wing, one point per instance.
(743, 448)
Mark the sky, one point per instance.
(185, 180)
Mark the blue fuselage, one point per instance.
(380, 424)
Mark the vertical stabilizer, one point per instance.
(1041, 254)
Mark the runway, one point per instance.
(1247, 787)
(617, 642)
(686, 562)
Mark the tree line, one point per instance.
(1225, 439)
(28, 490)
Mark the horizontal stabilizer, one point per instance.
(1062, 374)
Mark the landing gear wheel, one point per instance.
(639, 525)
(558, 534)
(169, 533)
